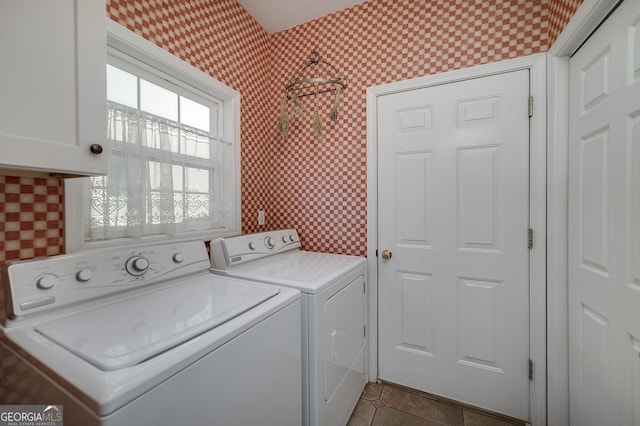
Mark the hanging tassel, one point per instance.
(283, 122)
(317, 128)
(334, 111)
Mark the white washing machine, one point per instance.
(148, 336)
(333, 290)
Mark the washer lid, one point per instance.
(128, 332)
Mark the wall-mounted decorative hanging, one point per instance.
(314, 77)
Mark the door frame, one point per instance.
(536, 64)
(586, 20)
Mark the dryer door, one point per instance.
(344, 339)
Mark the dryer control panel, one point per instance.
(230, 251)
(46, 283)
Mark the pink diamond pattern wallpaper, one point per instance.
(30, 218)
(321, 188)
(317, 187)
(560, 13)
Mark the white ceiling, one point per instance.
(278, 15)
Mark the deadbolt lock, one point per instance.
(386, 254)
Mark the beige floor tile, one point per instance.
(363, 413)
(372, 391)
(387, 416)
(378, 403)
(472, 418)
(388, 405)
(422, 406)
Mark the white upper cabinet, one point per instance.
(52, 87)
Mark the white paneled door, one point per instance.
(453, 214)
(604, 224)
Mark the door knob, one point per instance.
(386, 254)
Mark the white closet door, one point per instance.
(604, 224)
(454, 212)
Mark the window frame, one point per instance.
(121, 41)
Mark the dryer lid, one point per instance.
(309, 272)
(130, 331)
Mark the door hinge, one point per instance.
(364, 331)
(530, 106)
(364, 287)
(530, 239)
(376, 252)
(530, 370)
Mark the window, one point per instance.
(174, 156)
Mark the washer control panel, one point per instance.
(50, 282)
(230, 251)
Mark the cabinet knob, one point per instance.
(96, 148)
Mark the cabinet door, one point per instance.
(52, 86)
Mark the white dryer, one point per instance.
(146, 335)
(334, 310)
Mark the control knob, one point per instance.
(252, 246)
(269, 243)
(45, 282)
(137, 265)
(84, 275)
(178, 258)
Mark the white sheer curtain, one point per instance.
(164, 178)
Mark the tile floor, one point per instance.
(383, 404)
